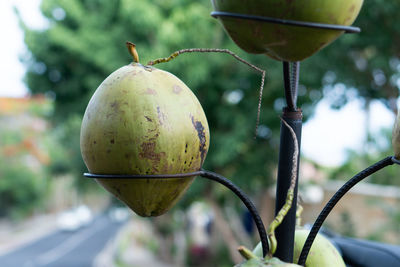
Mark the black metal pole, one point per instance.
(293, 116)
(285, 231)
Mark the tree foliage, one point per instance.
(367, 62)
(85, 42)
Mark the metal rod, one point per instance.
(141, 176)
(246, 201)
(291, 73)
(208, 175)
(335, 199)
(294, 81)
(288, 86)
(285, 231)
(346, 29)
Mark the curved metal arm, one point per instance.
(208, 175)
(335, 199)
(246, 201)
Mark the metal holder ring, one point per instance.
(346, 29)
(395, 161)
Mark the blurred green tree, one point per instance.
(21, 188)
(85, 41)
(368, 62)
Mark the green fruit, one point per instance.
(273, 262)
(322, 252)
(142, 120)
(253, 260)
(396, 136)
(285, 42)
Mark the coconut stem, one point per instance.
(218, 50)
(299, 211)
(289, 197)
(132, 50)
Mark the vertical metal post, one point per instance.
(285, 232)
(293, 116)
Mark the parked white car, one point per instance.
(72, 220)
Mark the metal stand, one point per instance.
(293, 116)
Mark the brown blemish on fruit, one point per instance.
(352, 8)
(148, 118)
(112, 141)
(155, 169)
(177, 89)
(201, 133)
(166, 167)
(115, 105)
(150, 91)
(157, 134)
(148, 151)
(133, 72)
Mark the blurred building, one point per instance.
(24, 116)
(367, 211)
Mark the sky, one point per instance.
(325, 137)
(12, 46)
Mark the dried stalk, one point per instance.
(218, 50)
(290, 194)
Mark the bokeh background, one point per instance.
(348, 93)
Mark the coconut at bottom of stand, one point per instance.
(144, 121)
(322, 253)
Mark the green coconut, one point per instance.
(322, 252)
(286, 42)
(144, 121)
(255, 259)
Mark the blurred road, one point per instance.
(65, 248)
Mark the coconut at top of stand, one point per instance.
(281, 41)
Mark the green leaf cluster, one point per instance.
(85, 41)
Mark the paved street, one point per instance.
(65, 249)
